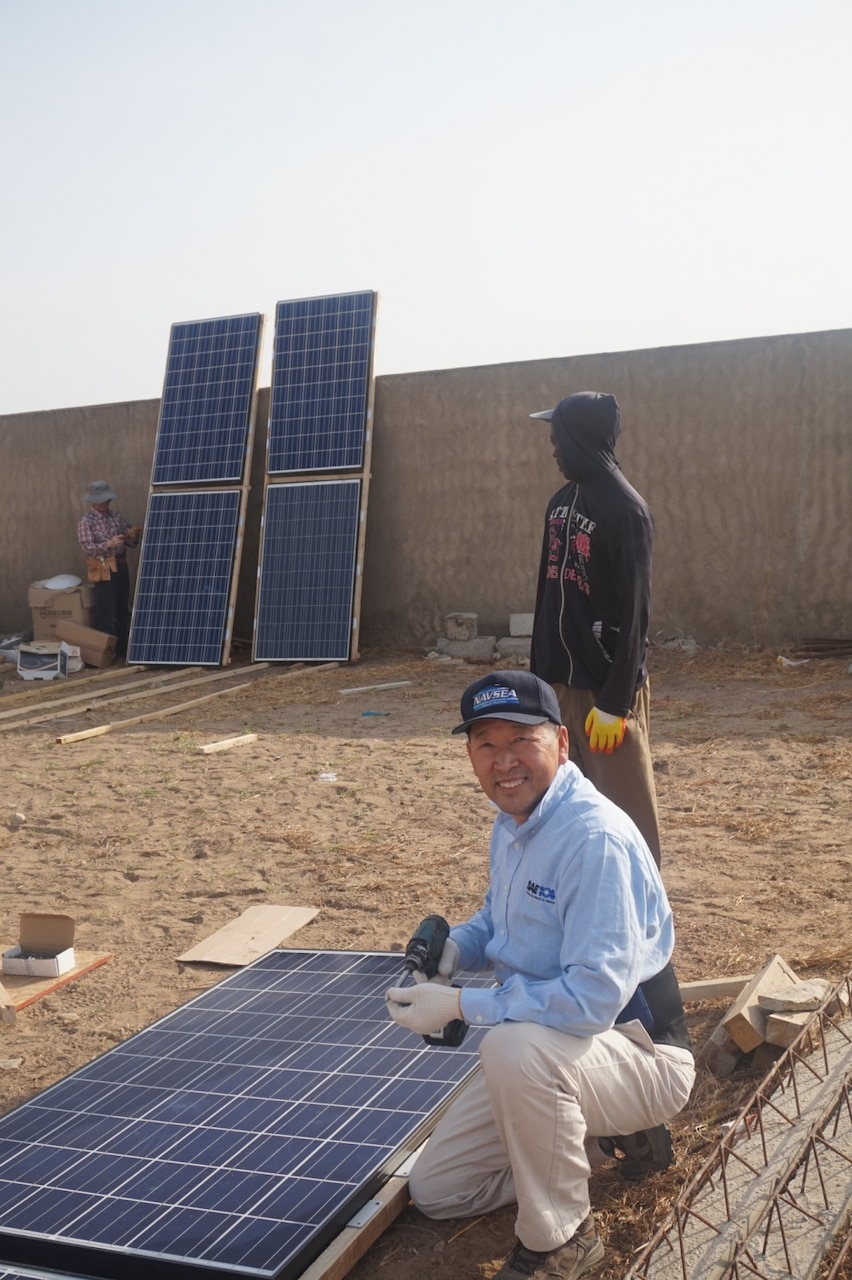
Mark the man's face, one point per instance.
(557, 453)
(102, 507)
(516, 763)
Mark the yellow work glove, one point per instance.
(605, 732)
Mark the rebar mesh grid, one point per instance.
(777, 1189)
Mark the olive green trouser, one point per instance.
(627, 776)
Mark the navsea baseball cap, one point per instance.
(508, 695)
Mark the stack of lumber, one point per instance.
(767, 1016)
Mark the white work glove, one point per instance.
(605, 732)
(426, 1008)
(447, 965)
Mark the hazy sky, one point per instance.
(517, 179)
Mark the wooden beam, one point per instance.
(713, 988)
(8, 1015)
(368, 688)
(26, 695)
(22, 989)
(107, 699)
(150, 715)
(352, 1243)
(225, 744)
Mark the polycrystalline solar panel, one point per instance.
(306, 577)
(234, 1136)
(321, 369)
(183, 587)
(207, 402)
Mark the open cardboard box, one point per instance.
(45, 948)
(39, 660)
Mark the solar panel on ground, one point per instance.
(234, 1136)
(182, 605)
(321, 371)
(208, 401)
(306, 578)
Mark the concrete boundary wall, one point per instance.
(743, 450)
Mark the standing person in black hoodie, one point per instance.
(590, 635)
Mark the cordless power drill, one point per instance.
(421, 956)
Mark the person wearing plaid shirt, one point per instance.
(104, 536)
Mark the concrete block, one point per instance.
(514, 647)
(461, 626)
(801, 997)
(782, 1028)
(521, 624)
(745, 1021)
(720, 1053)
(481, 647)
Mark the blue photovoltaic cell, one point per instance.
(208, 396)
(306, 577)
(183, 587)
(321, 369)
(236, 1135)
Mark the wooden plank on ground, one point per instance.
(150, 715)
(23, 990)
(71, 698)
(225, 744)
(369, 688)
(7, 1008)
(352, 1243)
(258, 930)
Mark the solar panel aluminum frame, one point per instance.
(243, 484)
(276, 431)
(276, 649)
(167, 658)
(351, 651)
(193, 469)
(186, 1085)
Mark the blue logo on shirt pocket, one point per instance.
(540, 892)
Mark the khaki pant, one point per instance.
(518, 1131)
(627, 776)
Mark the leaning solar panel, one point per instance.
(207, 402)
(182, 600)
(235, 1136)
(306, 577)
(321, 369)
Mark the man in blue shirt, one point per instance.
(587, 1036)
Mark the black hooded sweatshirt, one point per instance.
(594, 594)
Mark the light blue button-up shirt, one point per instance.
(575, 916)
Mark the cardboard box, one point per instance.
(46, 946)
(97, 649)
(49, 606)
(70, 658)
(39, 660)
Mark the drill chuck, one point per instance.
(422, 956)
(424, 948)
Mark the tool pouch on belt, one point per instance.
(100, 568)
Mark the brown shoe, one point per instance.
(567, 1262)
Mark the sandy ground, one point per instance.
(377, 820)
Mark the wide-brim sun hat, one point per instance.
(99, 491)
